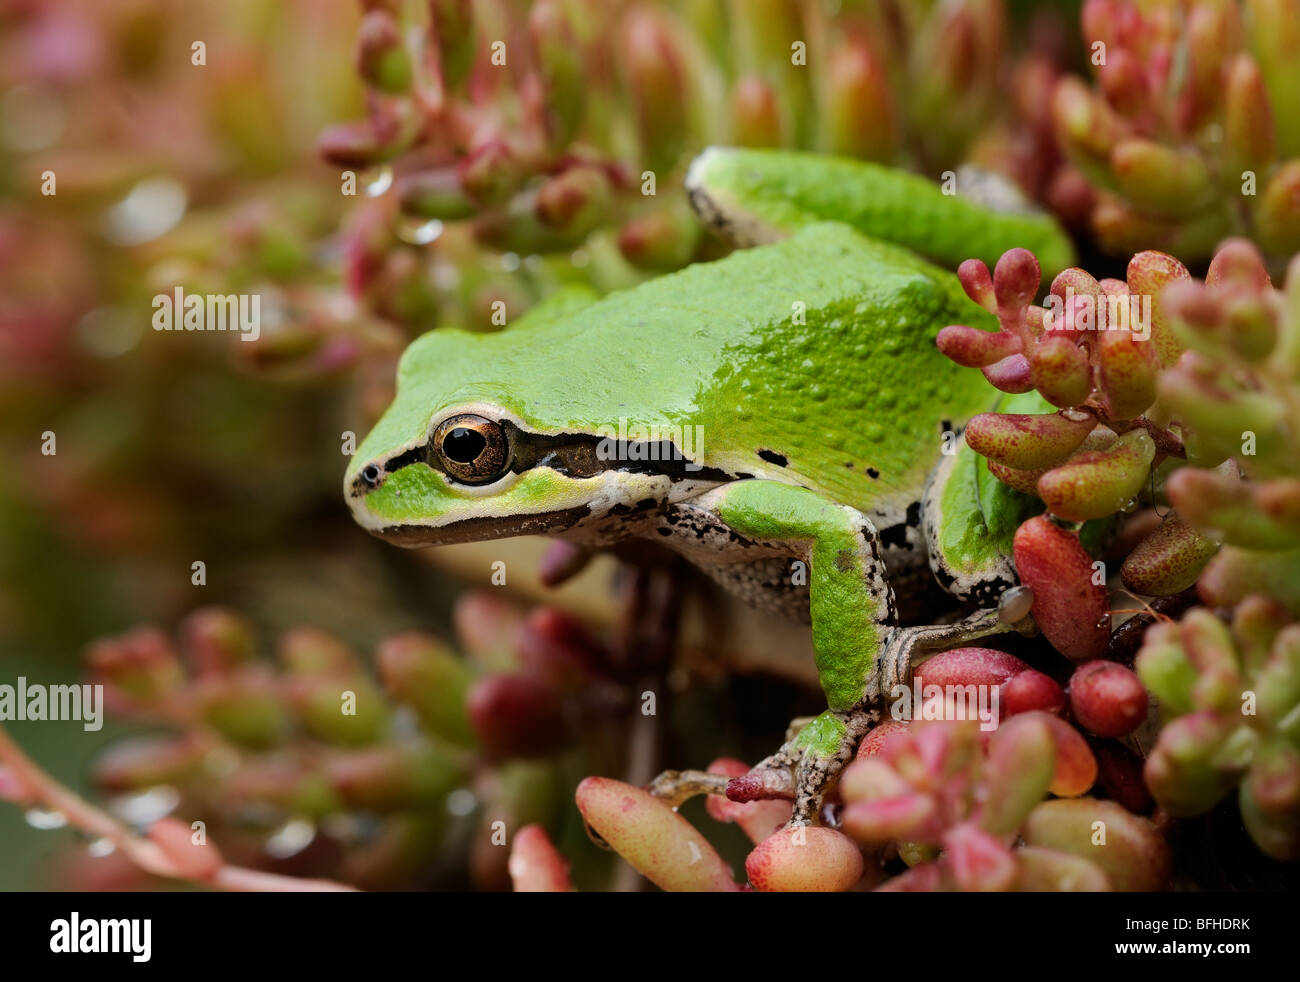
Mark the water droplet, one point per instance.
(291, 838)
(1129, 506)
(1104, 620)
(510, 261)
(377, 180)
(416, 232)
(45, 819)
(143, 808)
(151, 208)
(101, 847)
(1014, 604)
(461, 802)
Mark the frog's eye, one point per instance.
(472, 449)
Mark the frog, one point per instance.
(780, 417)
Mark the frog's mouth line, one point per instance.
(481, 528)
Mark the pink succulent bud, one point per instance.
(382, 60)
(515, 716)
(353, 145)
(1126, 373)
(1168, 560)
(1132, 853)
(536, 866)
(1181, 771)
(216, 640)
(420, 671)
(1160, 179)
(1020, 768)
(858, 115)
(1059, 369)
(558, 648)
(490, 172)
(1237, 263)
(973, 348)
(314, 651)
(976, 860)
(1148, 274)
(1095, 484)
(759, 819)
(1028, 442)
(141, 665)
(1015, 281)
(576, 200)
(1011, 374)
(969, 666)
(904, 816)
(659, 843)
(806, 859)
(756, 115)
(883, 734)
(1248, 124)
(1069, 606)
(1107, 699)
(1029, 691)
(486, 626)
(978, 284)
(664, 239)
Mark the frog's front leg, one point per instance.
(853, 620)
(860, 651)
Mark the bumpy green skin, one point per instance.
(847, 386)
(780, 191)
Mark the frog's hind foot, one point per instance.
(807, 766)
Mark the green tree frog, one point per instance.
(775, 416)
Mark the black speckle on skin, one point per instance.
(896, 536)
(849, 465)
(772, 457)
(914, 514)
(744, 477)
(872, 473)
(664, 532)
(645, 503)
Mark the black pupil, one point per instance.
(463, 445)
(371, 474)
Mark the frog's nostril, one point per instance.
(370, 474)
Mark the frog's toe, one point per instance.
(824, 746)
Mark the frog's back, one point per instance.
(811, 360)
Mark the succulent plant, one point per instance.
(501, 118)
(1202, 409)
(1230, 698)
(364, 775)
(1186, 133)
(968, 819)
